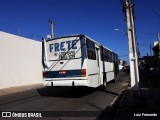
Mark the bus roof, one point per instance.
(79, 35)
(66, 36)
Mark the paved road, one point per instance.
(65, 99)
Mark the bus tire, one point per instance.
(104, 86)
(115, 78)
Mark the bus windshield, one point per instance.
(63, 48)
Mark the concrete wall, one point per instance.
(20, 61)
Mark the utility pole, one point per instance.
(19, 31)
(151, 49)
(134, 72)
(159, 44)
(52, 27)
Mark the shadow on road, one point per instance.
(109, 112)
(65, 92)
(113, 93)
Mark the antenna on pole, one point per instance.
(52, 27)
(19, 31)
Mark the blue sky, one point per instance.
(95, 18)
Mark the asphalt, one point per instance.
(36, 97)
(126, 106)
(143, 106)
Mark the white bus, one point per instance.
(77, 60)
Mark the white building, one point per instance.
(20, 61)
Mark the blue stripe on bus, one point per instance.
(69, 73)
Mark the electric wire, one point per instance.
(151, 8)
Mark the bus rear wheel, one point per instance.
(104, 86)
(115, 78)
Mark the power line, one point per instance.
(147, 33)
(87, 12)
(123, 56)
(142, 46)
(144, 43)
(152, 9)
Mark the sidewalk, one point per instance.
(11, 90)
(147, 106)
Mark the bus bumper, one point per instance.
(71, 82)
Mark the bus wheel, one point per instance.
(115, 79)
(104, 86)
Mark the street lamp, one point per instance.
(134, 72)
(120, 31)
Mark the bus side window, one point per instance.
(106, 58)
(91, 50)
(110, 56)
(101, 51)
